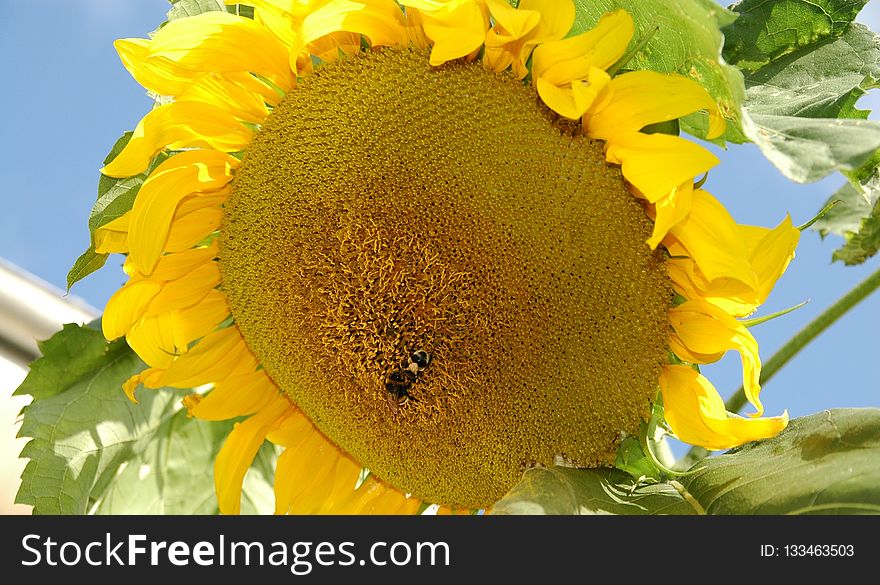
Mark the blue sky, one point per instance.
(67, 98)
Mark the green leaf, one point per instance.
(92, 450)
(806, 65)
(173, 474)
(768, 29)
(561, 490)
(115, 199)
(688, 42)
(855, 217)
(807, 149)
(87, 263)
(68, 356)
(864, 243)
(184, 8)
(826, 463)
(823, 81)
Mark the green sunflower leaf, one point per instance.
(561, 490)
(68, 356)
(769, 29)
(856, 217)
(184, 8)
(806, 64)
(115, 199)
(688, 41)
(88, 262)
(92, 450)
(826, 463)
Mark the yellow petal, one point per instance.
(304, 475)
(158, 340)
(202, 318)
(112, 237)
(178, 177)
(658, 163)
(670, 210)
(328, 47)
(173, 266)
(178, 125)
(212, 359)
(557, 18)
(148, 378)
(381, 21)
(456, 27)
(228, 96)
(238, 452)
(641, 98)
(574, 99)
(185, 291)
(221, 43)
(238, 395)
(192, 228)
(127, 306)
(731, 295)
(704, 332)
(713, 239)
(696, 413)
(561, 62)
(770, 252)
(505, 40)
(156, 74)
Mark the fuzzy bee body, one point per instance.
(399, 382)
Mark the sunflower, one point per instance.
(423, 245)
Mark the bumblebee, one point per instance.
(399, 382)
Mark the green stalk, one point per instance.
(791, 349)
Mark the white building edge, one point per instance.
(31, 309)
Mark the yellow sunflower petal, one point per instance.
(173, 266)
(703, 331)
(731, 295)
(228, 96)
(234, 396)
(238, 452)
(221, 42)
(304, 475)
(557, 18)
(770, 252)
(713, 239)
(158, 340)
(157, 74)
(658, 163)
(670, 210)
(381, 21)
(696, 413)
(213, 358)
(576, 97)
(203, 317)
(505, 40)
(126, 306)
(112, 237)
(192, 228)
(178, 125)
(185, 291)
(561, 62)
(149, 378)
(456, 27)
(671, 97)
(176, 178)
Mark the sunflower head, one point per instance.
(428, 239)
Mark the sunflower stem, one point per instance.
(812, 330)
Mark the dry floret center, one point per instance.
(388, 208)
